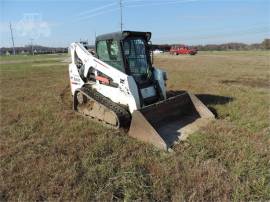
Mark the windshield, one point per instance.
(135, 55)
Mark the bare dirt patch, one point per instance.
(46, 64)
(255, 83)
(28, 60)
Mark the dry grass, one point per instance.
(50, 153)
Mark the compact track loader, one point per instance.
(120, 87)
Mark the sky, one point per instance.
(58, 23)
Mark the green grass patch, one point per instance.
(50, 153)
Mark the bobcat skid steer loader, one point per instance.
(119, 87)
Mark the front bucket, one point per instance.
(165, 123)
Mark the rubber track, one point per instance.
(122, 114)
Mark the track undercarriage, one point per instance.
(94, 105)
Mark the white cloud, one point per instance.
(33, 26)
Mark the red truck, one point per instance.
(182, 50)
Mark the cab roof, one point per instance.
(122, 35)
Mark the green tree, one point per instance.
(266, 44)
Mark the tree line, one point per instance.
(264, 45)
(35, 49)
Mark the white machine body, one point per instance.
(124, 89)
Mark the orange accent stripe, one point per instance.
(103, 79)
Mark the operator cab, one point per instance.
(127, 51)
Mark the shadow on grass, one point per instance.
(207, 99)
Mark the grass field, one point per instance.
(50, 153)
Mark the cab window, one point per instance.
(135, 55)
(108, 51)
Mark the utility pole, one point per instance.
(11, 32)
(121, 15)
(32, 49)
